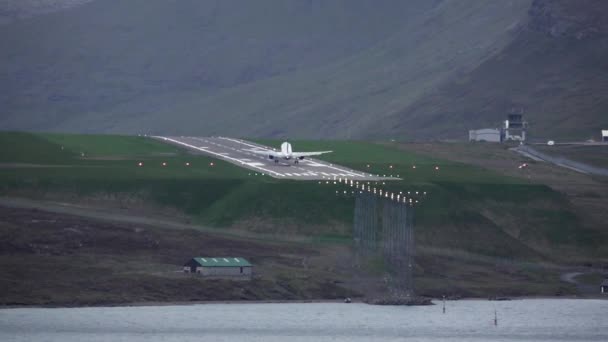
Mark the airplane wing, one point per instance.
(308, 154)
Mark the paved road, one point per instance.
(238, 152)
(560, 161)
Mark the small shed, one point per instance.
(219, 267)
(604, 287)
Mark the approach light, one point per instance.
(164, 163)
(436, 168)
(187, 164)
(413, 167)
(213, 164)
(140, 164)
(390, 166)
(368, 166)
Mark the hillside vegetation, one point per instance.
(129, 227)
(336, 69)
(467, 208)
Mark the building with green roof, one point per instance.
(219, 267)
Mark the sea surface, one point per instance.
(465, 320)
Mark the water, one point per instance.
(467, 320)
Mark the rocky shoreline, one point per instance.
(400, 300)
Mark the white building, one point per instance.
(605, 135)
(486, 134)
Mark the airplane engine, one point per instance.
(301, 158)
(270, 156)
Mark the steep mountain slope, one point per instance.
(206, 65)
(12, 10)
(414, 69)
(556, 71)
(60, 66)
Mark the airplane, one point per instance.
(287, 153)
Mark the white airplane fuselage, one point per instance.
(286, 150)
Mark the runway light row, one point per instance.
(414, 167)
(140, 164)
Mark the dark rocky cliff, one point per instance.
(579, 19)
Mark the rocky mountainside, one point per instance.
(567, 18)
(555, 70)
(12, 10)
(361, 69)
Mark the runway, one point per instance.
(237, 151)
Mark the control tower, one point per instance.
(515, 128)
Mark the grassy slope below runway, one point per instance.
(468, 210)
(466, 205)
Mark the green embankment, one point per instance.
(466, 207)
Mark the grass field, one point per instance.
(470, 219)
(464, 204)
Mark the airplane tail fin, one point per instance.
(286, 149)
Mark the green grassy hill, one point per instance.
(310, 69)
(467, 208)
(93, 210)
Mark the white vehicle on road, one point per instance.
(286, 153)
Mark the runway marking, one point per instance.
(349, 173)
(215, 153)
(241, 154)
(242, 143)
